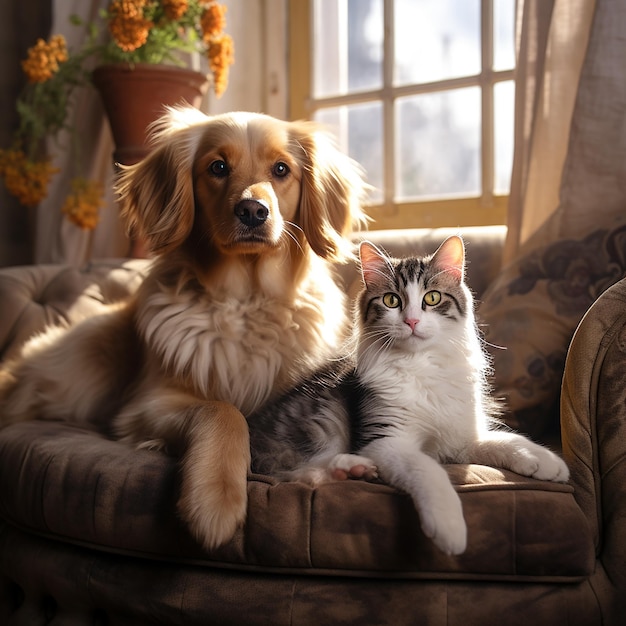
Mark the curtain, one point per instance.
(56, 239)
(570, 121)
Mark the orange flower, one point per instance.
(213, 20)
(175, 9)
(82, 205)
(128, 26)
(24, 179)
(44, 58)
(221, 54)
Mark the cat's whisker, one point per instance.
(492, 345)
(376, 335)
(380, 343)
(438, 274)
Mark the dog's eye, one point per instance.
(280, 169)
(219, 168)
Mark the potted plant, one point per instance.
(145, 41)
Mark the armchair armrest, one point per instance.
(593, 424)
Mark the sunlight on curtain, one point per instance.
(551, 41)
(56, 239)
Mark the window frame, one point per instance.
(485, 209)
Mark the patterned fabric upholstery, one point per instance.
(530, 313)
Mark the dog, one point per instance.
(244, 216)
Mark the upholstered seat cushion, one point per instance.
(76, 486)
(35, 296)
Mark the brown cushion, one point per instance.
(77, 486)
(529, 315)
(36, 296)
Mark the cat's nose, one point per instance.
(412, 322)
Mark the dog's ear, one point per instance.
(157, 193)
(331, 194)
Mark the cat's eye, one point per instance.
(391, 300)
(432, 298)
(219, 168)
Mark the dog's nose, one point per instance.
(252, 213)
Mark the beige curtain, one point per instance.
(570, 126)
(56, 239)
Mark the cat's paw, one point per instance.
(551, 467)
(539, 462)
(345, 466)
(445, 525)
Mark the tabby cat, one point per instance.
(409, 395)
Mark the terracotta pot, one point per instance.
(134, 96)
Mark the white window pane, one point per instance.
(348, 46)
(438, 144)
(436, 40)
(359, 132)
(504, 102)
(503, 34)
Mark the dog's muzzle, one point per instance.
(252, 213)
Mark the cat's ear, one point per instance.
(374, 263)
(450, 257)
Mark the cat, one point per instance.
(409, 394)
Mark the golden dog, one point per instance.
(244, 215)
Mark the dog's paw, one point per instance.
(539, 462)
(214, 470)
(214, 517)
(446, 526)
(345, 466)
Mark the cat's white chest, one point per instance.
(430, 399)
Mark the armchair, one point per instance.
(89, 533)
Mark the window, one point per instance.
(421, 93)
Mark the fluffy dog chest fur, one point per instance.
(240, 350)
